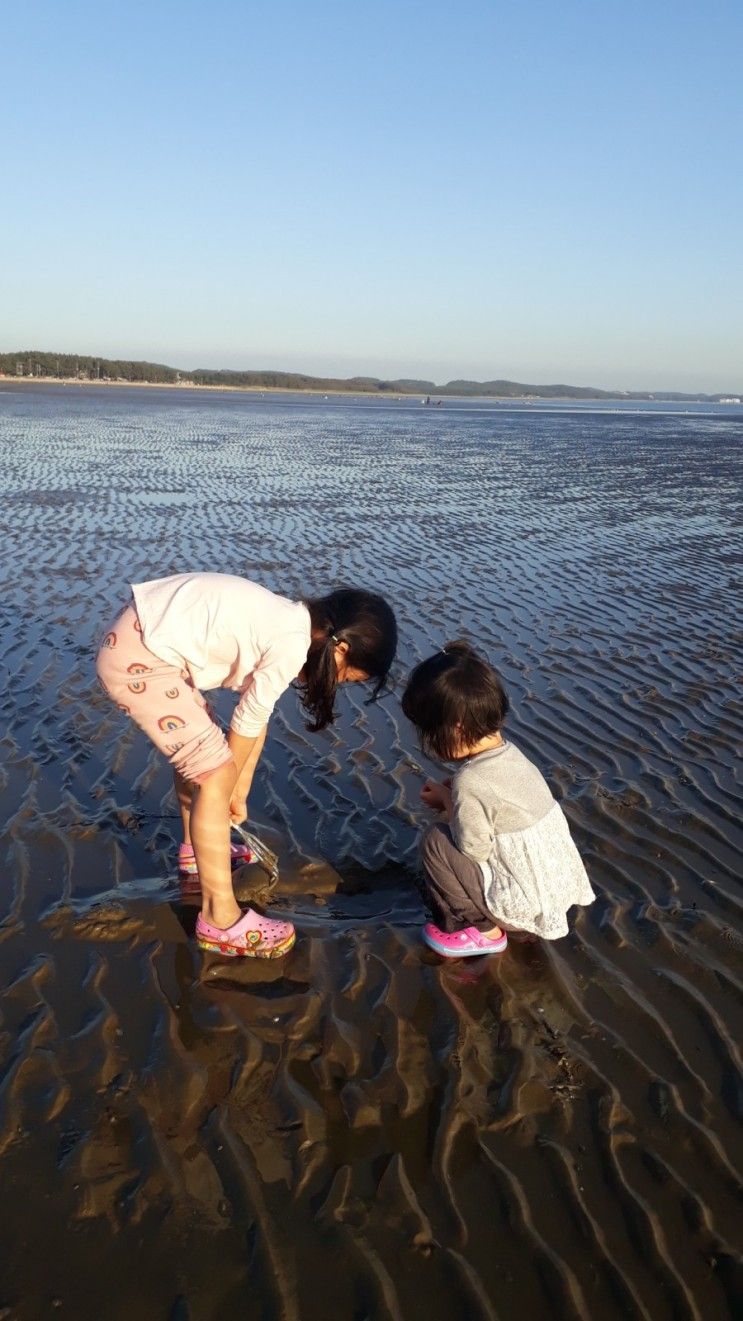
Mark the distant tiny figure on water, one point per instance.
(502, 861)
(195, 631)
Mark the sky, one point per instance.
(538, 190)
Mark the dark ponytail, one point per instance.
(366, 623)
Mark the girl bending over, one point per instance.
(198, 631)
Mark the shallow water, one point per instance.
(361, 1130)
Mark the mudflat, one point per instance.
(361, 1130)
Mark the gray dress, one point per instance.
(505, 818)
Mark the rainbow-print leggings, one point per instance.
(161, 699)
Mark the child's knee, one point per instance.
(433, 844)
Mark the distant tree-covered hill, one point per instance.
(78, 367)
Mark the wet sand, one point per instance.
(361, 1131)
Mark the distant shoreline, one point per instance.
(197, 385)
(81, 369)
(397, 396)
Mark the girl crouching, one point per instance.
(502, 859)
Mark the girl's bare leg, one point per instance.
(210, 835)
(184, 793)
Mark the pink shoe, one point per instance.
(461, 944)
(250, 937)
(239, 853)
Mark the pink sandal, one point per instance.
(252, 936)
(462, 944)
(239, 853)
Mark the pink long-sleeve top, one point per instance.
(228, 633)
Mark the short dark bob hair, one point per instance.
(454, 699)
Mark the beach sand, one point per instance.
(33, 383)
(360, 1130)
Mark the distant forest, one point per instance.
(76, 367)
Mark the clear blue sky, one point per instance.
(544, 191)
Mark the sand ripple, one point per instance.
(360, 1131)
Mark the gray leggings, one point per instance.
(453, 883)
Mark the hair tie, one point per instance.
(334, 639)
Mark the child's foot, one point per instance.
(464, 943)
(239, 853)
(251, 937)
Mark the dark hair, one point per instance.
(367, 624)
(454, 698)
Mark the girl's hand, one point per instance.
(434, 795)
(238, 805)
(246, 752)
